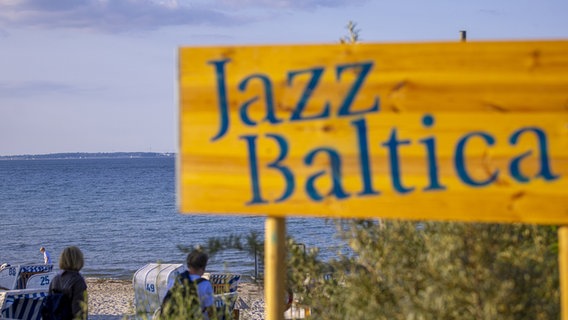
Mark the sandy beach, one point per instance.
(114, 299)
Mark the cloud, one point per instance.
(290, 4)
(138, 15)
(109, 15)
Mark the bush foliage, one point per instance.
(422, 271)
(433, 270)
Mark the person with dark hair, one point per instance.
(190, 287)
(70, 284)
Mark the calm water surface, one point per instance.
(122, 214)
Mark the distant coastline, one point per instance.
(90, 155)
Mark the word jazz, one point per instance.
(393, 142)
(314, 76)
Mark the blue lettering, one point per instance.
(362, 70)
(335, 163)
(253, 166)
(430, 143)
(459, 159)
(288, 176)
(545, 170)
(364, 159)
(308, 91)
(268, 100)
(222, 97)
(392, 145)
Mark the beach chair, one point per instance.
(16, 277)
(225, 286)
(22, 304)
(26, 271)
(223, 282)
(151, 284)
(40, 280)
(8, 277)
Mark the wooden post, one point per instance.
(562, 269)
(275, 277)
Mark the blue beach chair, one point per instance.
(22, 304)
(16, 277)
(224, 282)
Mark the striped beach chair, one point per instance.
(224, 282)
(26, 271)
(225, 296)
(22, 304)
(16, 277)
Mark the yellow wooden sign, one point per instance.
(469, 131)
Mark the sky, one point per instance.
(100, 75)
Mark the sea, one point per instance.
(121, 212)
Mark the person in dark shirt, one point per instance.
(70, 282)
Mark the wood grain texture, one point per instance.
(445, 93)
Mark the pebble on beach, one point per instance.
(110, 299)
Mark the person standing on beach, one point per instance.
(71, 284)
(46, 256)
(186, 282)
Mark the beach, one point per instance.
(111, 299)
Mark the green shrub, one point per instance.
(436, 271)
(422, 271)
